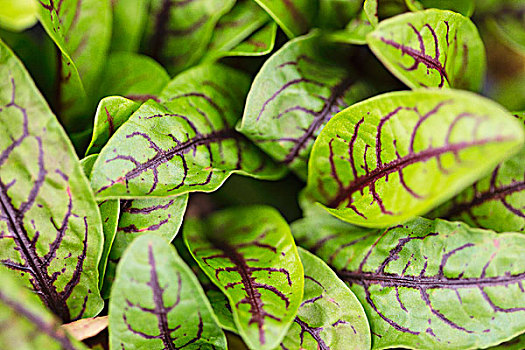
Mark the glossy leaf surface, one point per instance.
(398, 155)
(50, 228)
(294, 94)
(186, 143)
(255, 264)
(26, 324)
(157, 302)
(428, 284)
(294, 17)
(330, 316)
(431, 48)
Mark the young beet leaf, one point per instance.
(249, 253)
(294, 17)
(398, 155)
(496, 201)
(432, 48)
(50, 228)
(157, 303)
(258, 44)
(428, 284)
(330, 316)
(186, 143)
(26, 324)
(81, 29)
(178, 32)
(129, 20)
(294, 94)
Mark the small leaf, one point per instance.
(355, 32)
(335, 14)
(50, 227)
(17, 15)
(508, 23)
(398, 155)
(432, 48)
(186, 144)
(157, 303)
(256, 265)
(129, 20)
(26, 324)
(330, 316)
(294, 17)
(258, 44)
(428, 284)
(371, 8)
(294, 94)
(86, 327)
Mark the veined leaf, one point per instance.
(431, 48)
(17, 15)
(256, 265)
(294, 17)
(81, 29)
(294, 94)
(330, 316)
(398, 155)
(258, 44)
(50, 228)
(157, 303)
(496, 201)
(186, 144)
(428, 284)
(335, 14)
(129, 20)
(26, 324)
(178, 32)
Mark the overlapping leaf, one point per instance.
(517, 343)
(178, 32)
(431, 48)
(295, 93)
(157, 303)
(50, 228)
(129, 20)
(428, 284)
(398, 155)
(495, 202)
(508, 22)
(330, 316)
(294, 17)
(26, 324)
(256, 264)
(186, 144)
(335, 14)
(258, 44)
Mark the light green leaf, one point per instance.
(428, 284)
(295, 93)
(129, 21)
(398, 155)
(50, 227)
(431, 48)
(256, 265)
(157, 302)
(371, 8)
(18, 15)
(294, 17)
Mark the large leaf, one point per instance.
(157, 303)
(431, 48)
(81, 29)
(256, 264)
(26, 324)
(495, 202)
(294, 94)
(294, 17)
(186, 144)
(330, 316)
(129, 20)
(428, 284)
(178, 32)
(50, 228)
(398, 155)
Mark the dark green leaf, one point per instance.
(157, 303)
(428, 284)
(355, 32)
(335, 14)
(514, 344)
(398, 155)
(294, 17)
(508, 22)
(465, 7)
(256, 264)
(258, 44)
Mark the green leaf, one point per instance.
(295, 93)
(157, 303)
(432, 48)
(371, 8)
(294, 17)
(428, 284)
(178, 33)
(335, 14)
(81, 29)
(330, 316)
(508, 23)
(464, 7)
(17, 15)
(258, 44)
(355, 32)
(50, 228)
(514, 344)
(496, 201)
(129, 21)
(398, 155)
(223, 311)
(26, 324)
(256, 265)
(186, 144)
